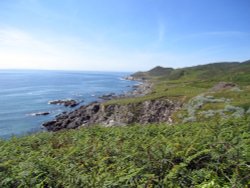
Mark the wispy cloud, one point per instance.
(20, 49)
(12, 37)
(217, 34)
(161, 31)
(159, 35)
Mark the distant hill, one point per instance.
(157, 71)
(233, 71)
(160, 71)
(246, 62)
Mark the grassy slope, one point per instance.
(205, 154)
(190, 155)
(183, 84)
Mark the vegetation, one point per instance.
(186, 83)
(208, 146)
(188, 155)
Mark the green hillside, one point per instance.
(207, 145)
(184, 84)
(155, 72)
(218, 71)
(189, 155)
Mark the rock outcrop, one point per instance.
(223, 86)
(140, 89)
(66, 102)
(40, 114)
(153, 111)
(107, 97)
(150, 111)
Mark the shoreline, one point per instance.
(142, 88)
(81, 116)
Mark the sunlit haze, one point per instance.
(122, 35)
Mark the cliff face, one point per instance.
(153, 111)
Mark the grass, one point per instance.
(213, 106)
(188, 155)
(175, 90)
(240, 98)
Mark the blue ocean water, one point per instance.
(23, 93)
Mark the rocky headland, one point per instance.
(149, 111)
(198, 100)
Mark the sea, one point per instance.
(26, 92)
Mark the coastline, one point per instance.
(81, 116)
(142, 88)
(41, 95)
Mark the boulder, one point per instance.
(66, 102)
(223, 85)
(40, 114)
(107, 97)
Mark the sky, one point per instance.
(122, 35)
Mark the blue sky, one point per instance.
(122, 35)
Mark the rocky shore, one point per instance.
(143, 88)
(151, 111)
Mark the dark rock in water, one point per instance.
(152, 111)
(135, 86)
(40, 114)
(67, 102)
(107, 97)
(129, 78)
